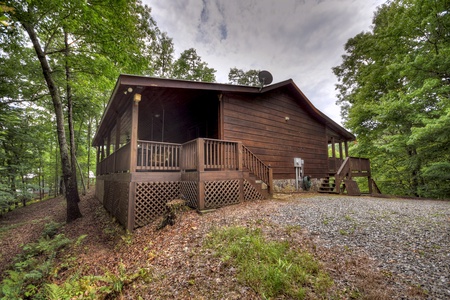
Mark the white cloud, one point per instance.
(294, 39)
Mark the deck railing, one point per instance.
(197, 155)
(334, 164)
(118, 161)
(158, 156)
(189, 157)
(256, 166)
(220, 155)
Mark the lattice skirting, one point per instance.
(250, 192)
(115, 199)
(151, 199)
(221, 193)
(189, 190)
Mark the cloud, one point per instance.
(294, 39)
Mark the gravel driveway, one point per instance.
(409, 239)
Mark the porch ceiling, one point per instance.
(172, 98)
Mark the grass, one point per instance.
(272, 269)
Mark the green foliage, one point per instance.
(271, 268)
(163, 60)
(51, 229)
(95, 287)
(238, 76)
(394, 93)
(190, 66)
(31, 268)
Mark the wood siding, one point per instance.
(259, 122)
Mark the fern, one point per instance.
(55, 292)
(31, 268)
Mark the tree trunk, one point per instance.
(73, 161)
(72, 197)
(415, 171)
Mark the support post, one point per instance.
(270, 181)
(200, 170)
(346, 148)
(98, 171)
(333, 151)
(118, 132)
(108, 144)
(131, 206)
(134, 132)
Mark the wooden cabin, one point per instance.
(212, 144)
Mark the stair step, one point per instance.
(326, 188)
(328, 192)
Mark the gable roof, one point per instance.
(119, 97)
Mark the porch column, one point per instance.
(103, 150)
(346, 148)
(333, 155)
(133, 161)
(341, 154)
(134, 132)
(118, 129)
(108, 144)
(98, 161)
(220, 118)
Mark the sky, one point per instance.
(300, 40)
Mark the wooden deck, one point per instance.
(195, 156)
(207, 173)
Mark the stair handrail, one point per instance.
(344, 168)
(342, 172)
(256, 166)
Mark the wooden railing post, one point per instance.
(200, 155)
(239, 156)
(200, 170)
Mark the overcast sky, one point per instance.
(292, 39)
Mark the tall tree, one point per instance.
(63, 33)
(190, 66)
(239, 76)
(163, 55)
(394, 92)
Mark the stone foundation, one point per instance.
(288, 185)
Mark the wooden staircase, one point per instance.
(258, 185)
(342, 180)
(258, 174)
(328, 185)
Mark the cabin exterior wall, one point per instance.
(276, 128)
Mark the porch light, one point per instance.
(286, 119)
(137, 98)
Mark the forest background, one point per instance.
(59, 61)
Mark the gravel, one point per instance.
(409, 239)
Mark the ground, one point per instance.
(180, 266)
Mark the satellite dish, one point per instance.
(265, 78)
